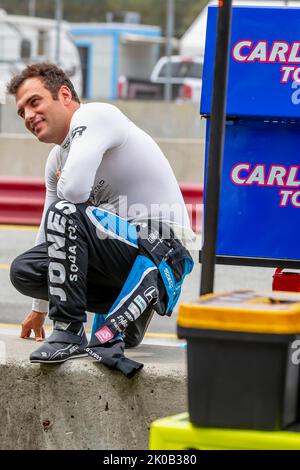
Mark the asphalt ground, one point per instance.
(162, 330)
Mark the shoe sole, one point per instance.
(35, 361)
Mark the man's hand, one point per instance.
(34, 321)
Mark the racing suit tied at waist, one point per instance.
(155, 279)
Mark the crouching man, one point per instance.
(111, 239)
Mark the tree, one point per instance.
(152, 12)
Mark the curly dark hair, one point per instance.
(52, 77)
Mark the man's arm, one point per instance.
(95, 128)
(34, 321)
(52, 173)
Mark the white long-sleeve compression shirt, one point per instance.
(109, 161)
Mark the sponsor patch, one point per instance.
(141, 302)
(78, 131)
(129, 316)
(66, 144)
(167, 274)
(104, 334)
(122, 321)
(153, 236)
(134, 309)
(93, 354)
(151, 294)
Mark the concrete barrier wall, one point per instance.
(83, 405)
(23, 155)
(186, 157)
(160, 119)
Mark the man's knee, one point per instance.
(28, 272)
(18, 273)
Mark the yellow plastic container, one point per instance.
(243, 367)
(248, 311)
(178, 433)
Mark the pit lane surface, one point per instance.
(14, 306)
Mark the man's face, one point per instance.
(46, 118)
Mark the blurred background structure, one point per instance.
(123, 52)
(113, 50)
(146, 57)
(120, 38)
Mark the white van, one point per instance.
(186, 75)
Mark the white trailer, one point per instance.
(111, 50)
(25, 40)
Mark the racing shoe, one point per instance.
(60, 347)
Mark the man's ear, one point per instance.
(65, 94)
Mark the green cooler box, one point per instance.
(243, 352)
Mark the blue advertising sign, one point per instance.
(259, 213)
(264, 69)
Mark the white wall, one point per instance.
(9, 42)
(101, 69)
(193, 40)
(137, 60)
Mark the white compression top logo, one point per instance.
(2, 92)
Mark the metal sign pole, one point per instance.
(58, 18)
(169, 48)
(31, 7)
(216, 146)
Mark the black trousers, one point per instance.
(82, 267)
